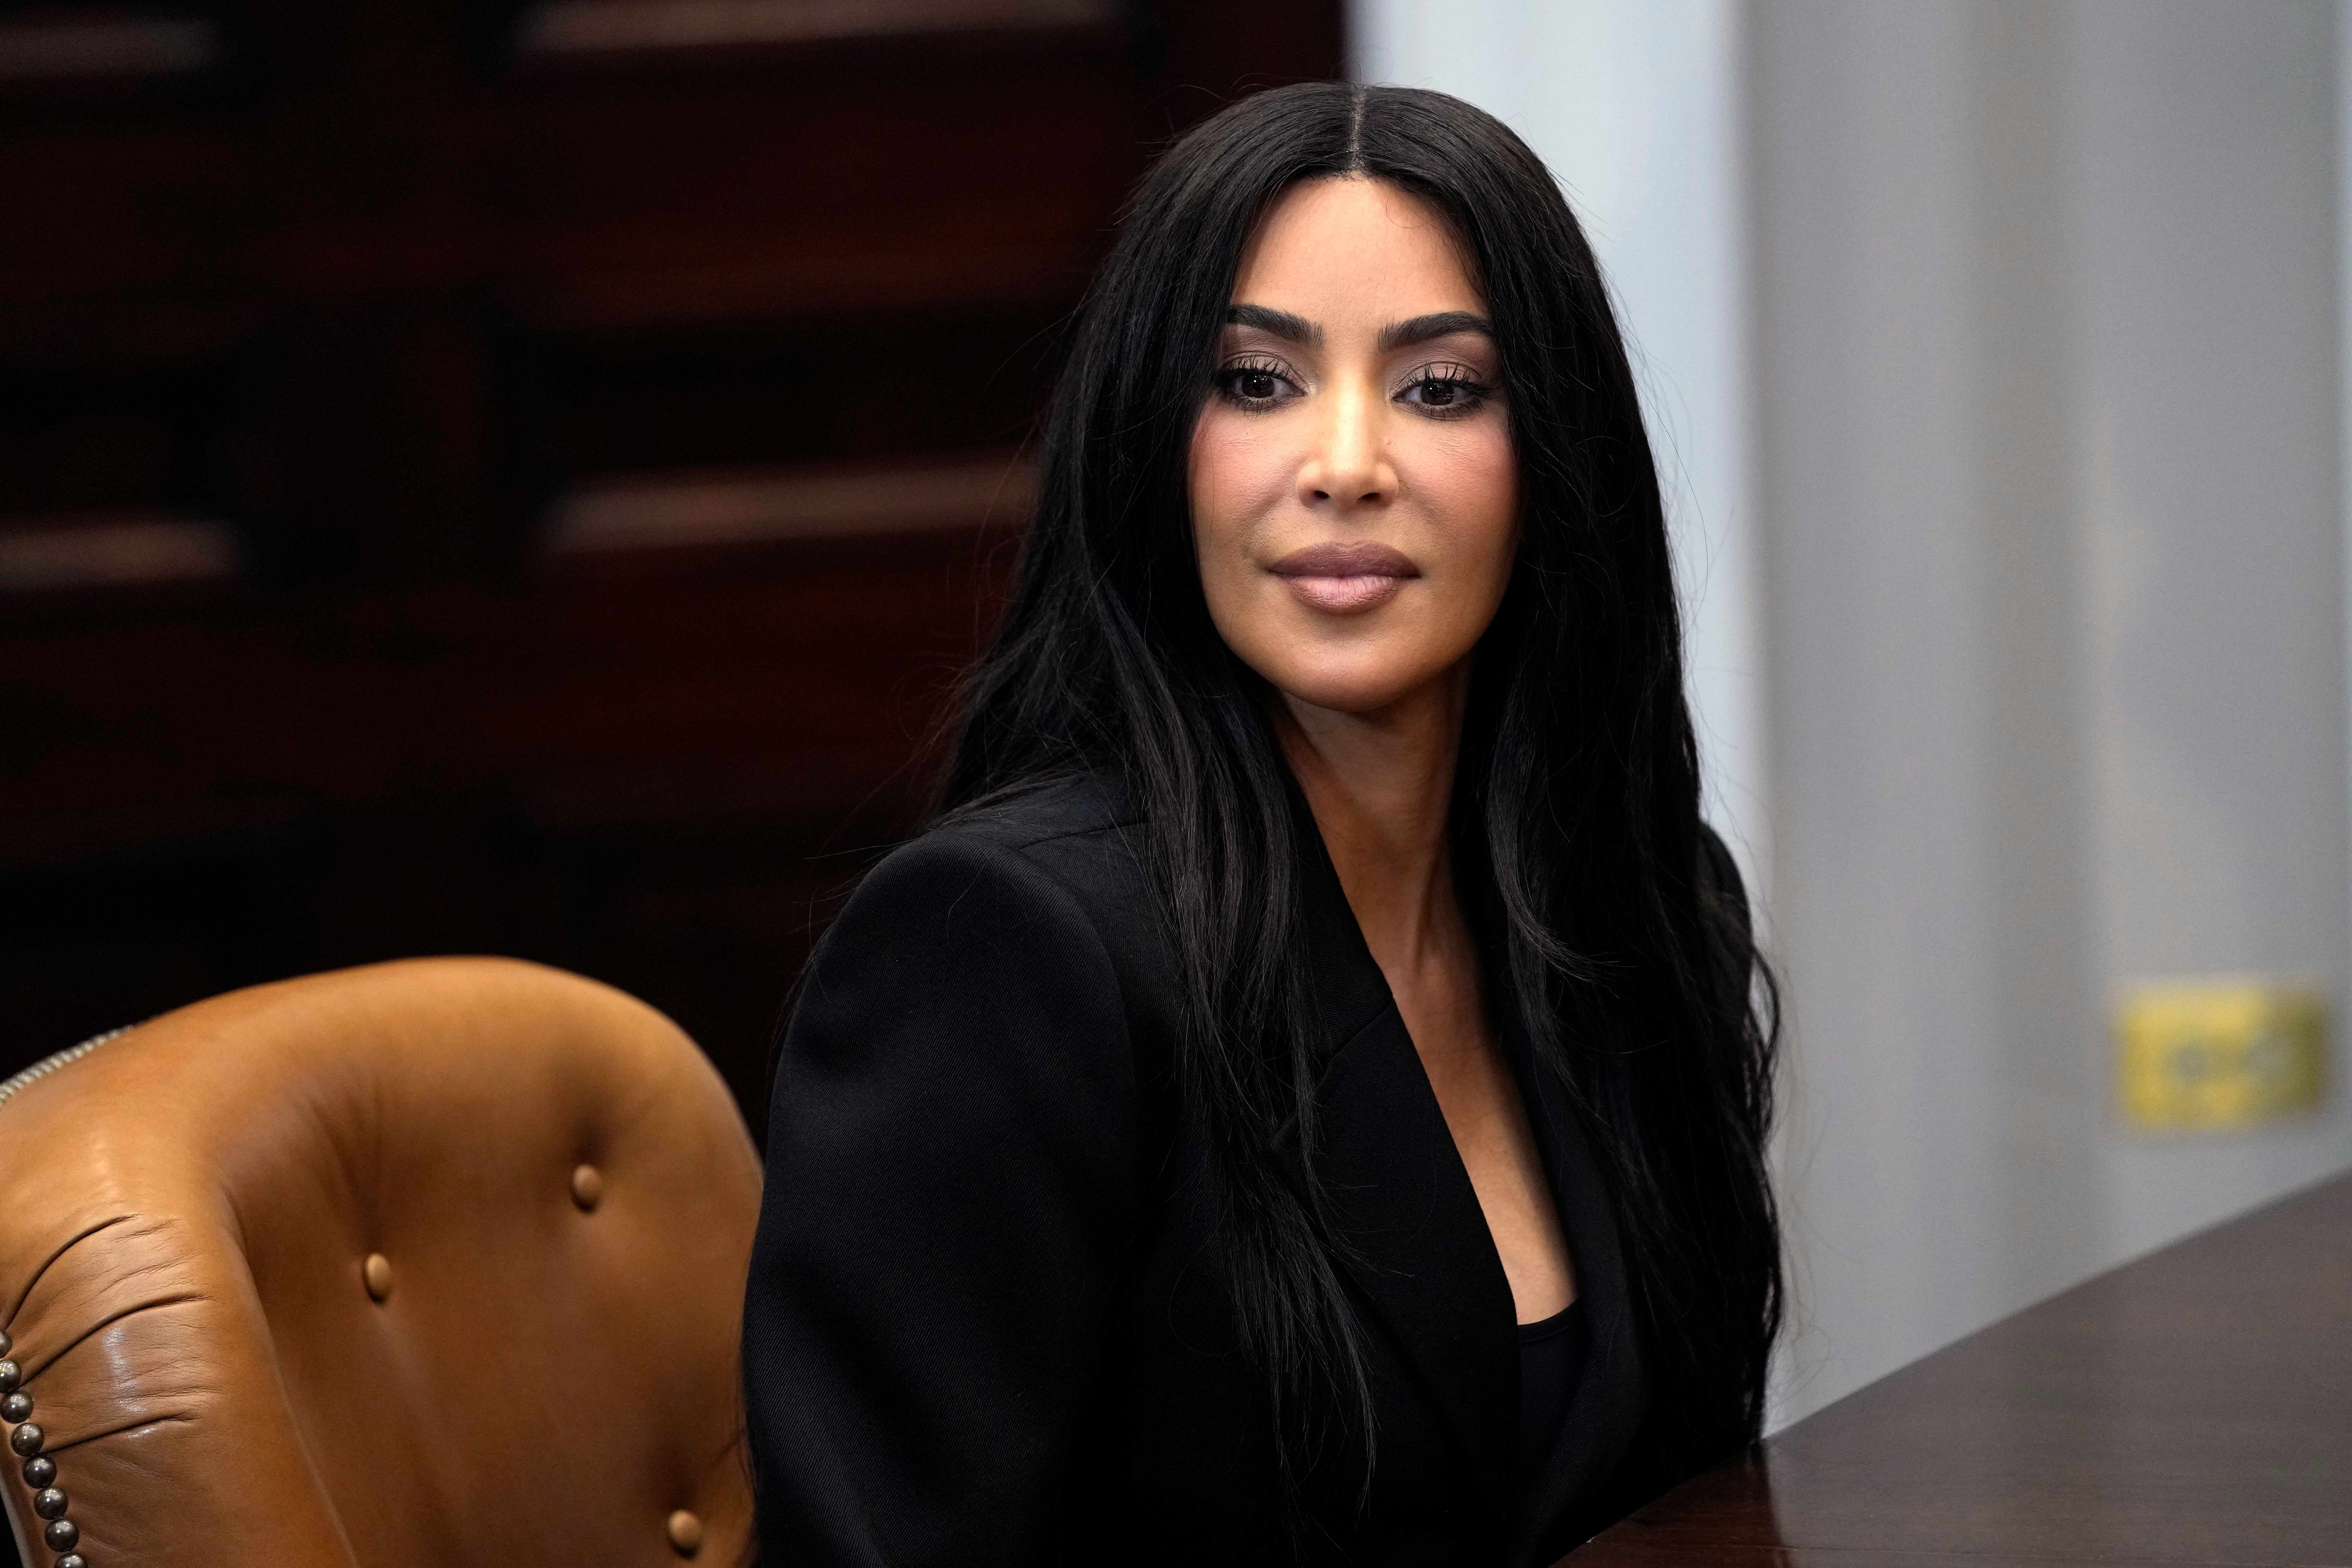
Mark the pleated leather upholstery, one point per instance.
(185, 1217)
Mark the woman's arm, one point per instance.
(950, 1191)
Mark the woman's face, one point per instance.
(1354, 496)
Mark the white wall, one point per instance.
(2209, 469)
(1913, 411)
(2048, 422)
(2010, 402)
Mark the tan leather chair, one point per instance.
(437, 1262)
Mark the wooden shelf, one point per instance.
(638, 31)
(45, 47)
(136, 549)
(693, 511)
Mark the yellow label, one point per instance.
(2219, 1053)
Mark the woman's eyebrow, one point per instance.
(1442, 324)
(1290, 328)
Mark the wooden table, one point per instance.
(2195, 1406)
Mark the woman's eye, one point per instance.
(1445, 393)
(1254, 386)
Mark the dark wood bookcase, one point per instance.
(521, 478)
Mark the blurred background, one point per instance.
(521, 477)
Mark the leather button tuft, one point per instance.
(587, 1187)
(685, 1533)
(376, 1275)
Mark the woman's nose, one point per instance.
(1348, 465)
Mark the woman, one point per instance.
(1302, 1099)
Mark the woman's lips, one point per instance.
(1343, 579)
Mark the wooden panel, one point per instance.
(642, 32)
(445, 763)
(2193, 1407)
(489, 475)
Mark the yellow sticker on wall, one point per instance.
(2219, 1053)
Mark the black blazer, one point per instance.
(983, 1323)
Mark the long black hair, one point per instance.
(1577, 810)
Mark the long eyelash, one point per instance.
(1447, 374)
(1461, 378)
(1227, 373)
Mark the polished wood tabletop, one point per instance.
(2195, 1406)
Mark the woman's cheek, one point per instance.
(1468, 486)
(1235, 481)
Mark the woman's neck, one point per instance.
(1381, 785)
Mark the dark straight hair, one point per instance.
(1576, 817)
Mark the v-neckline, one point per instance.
(1409, 1230)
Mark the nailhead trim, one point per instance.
(61, 1534)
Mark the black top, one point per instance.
(983, 1323)
(1551, 1359)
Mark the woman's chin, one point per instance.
(1358, 693)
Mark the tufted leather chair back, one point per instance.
(436, 1262)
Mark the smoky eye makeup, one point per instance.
(1254, 381)
(1446, 389)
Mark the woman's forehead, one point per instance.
(1353, 252)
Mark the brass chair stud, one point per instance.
(685, 1532)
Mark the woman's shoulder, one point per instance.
(1028, 914)
(1079, 831)
(1066, 806)
(974, 902)
(1065, 856)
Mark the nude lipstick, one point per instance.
(1345, 579)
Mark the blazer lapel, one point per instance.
(1608, 1403)
(1402, 1214)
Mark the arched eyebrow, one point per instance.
(1290, 328)
(1444, 324)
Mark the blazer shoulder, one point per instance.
(1083, 837)
(959, 924)
(1066, 850)
(1071, 806)
(1081, 830)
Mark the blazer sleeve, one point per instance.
(951, 1190)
